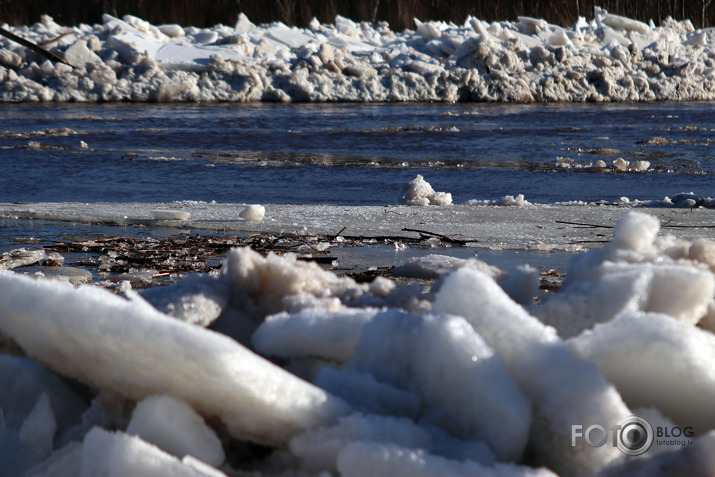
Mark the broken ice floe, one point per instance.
(166, 214)
(366, 378)
(605, 58)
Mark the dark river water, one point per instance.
(352, 154)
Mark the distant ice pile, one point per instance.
(606, 58)
(365, 379)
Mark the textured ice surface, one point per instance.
(196, 299)
(86, 331)
(634, 272)
(359, 459)
(499, 228)
(176, 428)
(563, 389)
(37, 409)
(319, 449)
(696, 459)
(656, 361)
(449, 367)
(261, 286)
(329, 334)
(116, 454)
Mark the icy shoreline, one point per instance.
(485, 225)
(331, 376)
(608, 58)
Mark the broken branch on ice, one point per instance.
(31, 46)
(425, 233)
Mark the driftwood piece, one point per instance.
(31, 46)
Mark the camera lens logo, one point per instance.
(635, 435)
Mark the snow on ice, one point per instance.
(605, 58)
(366, 379)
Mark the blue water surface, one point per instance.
(352, 154)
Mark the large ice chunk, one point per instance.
(364, 392)
(655, 360)
(635, 272)
(319, 449)
(451, 368)
(521, 283)
(624, 23)
(637, 231)
(681, 291)
(134, 350)
(175, 427)
(115, 454)
(78, 54)
(38, 430)
(197, 299)
(564, 390)
(314, 332)
(261, 284)
(254, 213)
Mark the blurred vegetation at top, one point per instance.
(398, 13)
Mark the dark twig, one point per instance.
(333, 237)
(577, 242)
(666, 225)
(63, 162)
(440, 236)
(582, 224)
(676, 226)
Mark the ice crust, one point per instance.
(605, 58)
(468, 382)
